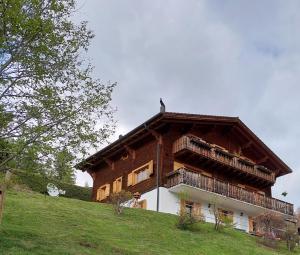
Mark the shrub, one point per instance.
(291, 236)
(39, 183)
(185, 220)
(266, 224)
(222, 220)
(118, 199)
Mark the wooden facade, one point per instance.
(220, 153)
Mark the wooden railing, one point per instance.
(227, 189)
(207, 150)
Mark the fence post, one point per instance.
(3, 192)
(1, 201)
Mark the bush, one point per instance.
(185, 220)
(39, 183)
(291, 237)
(266, 224)
(118, 200)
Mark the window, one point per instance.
(140, 174)
(103, 192)
(191, 208)
(226, 214)
(117, 185)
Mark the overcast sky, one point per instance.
(235, 58)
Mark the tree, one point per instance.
(49, 99)
(47, 94)
(291, 236)
(222, 220)
(63, 169)
(268, 224)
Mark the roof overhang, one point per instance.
(169, 117)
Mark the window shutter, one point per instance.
(114, 186)
(182, 205)
(98, 194)
(144, 204)
(107, 190)
(197, 210)
(251, 224)
(130, 179)
(150, 167)
(119, 184)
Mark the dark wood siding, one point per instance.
(146, 151)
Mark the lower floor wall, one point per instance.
(170, 203)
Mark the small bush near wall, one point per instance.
(185, 221)
(118, 199)
(38, 183)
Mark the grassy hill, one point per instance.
(35, 224)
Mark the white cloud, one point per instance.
(208, 57)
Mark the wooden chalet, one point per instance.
(207, 157)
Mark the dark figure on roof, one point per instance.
(162, 106)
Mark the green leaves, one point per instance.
(48, 96)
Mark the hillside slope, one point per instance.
(36, 224)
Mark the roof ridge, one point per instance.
(202, 115)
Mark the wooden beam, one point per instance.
(262, 160)
(157, 135)
(188, 128)
(247, 145)
(228, 129)
(109, 162)
(130, 151)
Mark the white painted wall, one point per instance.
(170, 203)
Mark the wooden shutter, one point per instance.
(98, 194)
(250, 219)
(182, 205)
(150, 167)
(196, 210)
(119, 184)
(107, 190)
(143, 204)
(130, 179)
(114, 186)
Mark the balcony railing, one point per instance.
(210, 151)
(183, 176)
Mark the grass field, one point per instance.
(34, 224)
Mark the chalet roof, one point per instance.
(172, 117)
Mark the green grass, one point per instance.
(35, 224)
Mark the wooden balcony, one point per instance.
(184, 176)
(212, 152)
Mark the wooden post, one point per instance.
(2, 196)
(1, 202)
(3, 188)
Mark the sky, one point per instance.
(235, 58)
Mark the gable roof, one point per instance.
(171, 117)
